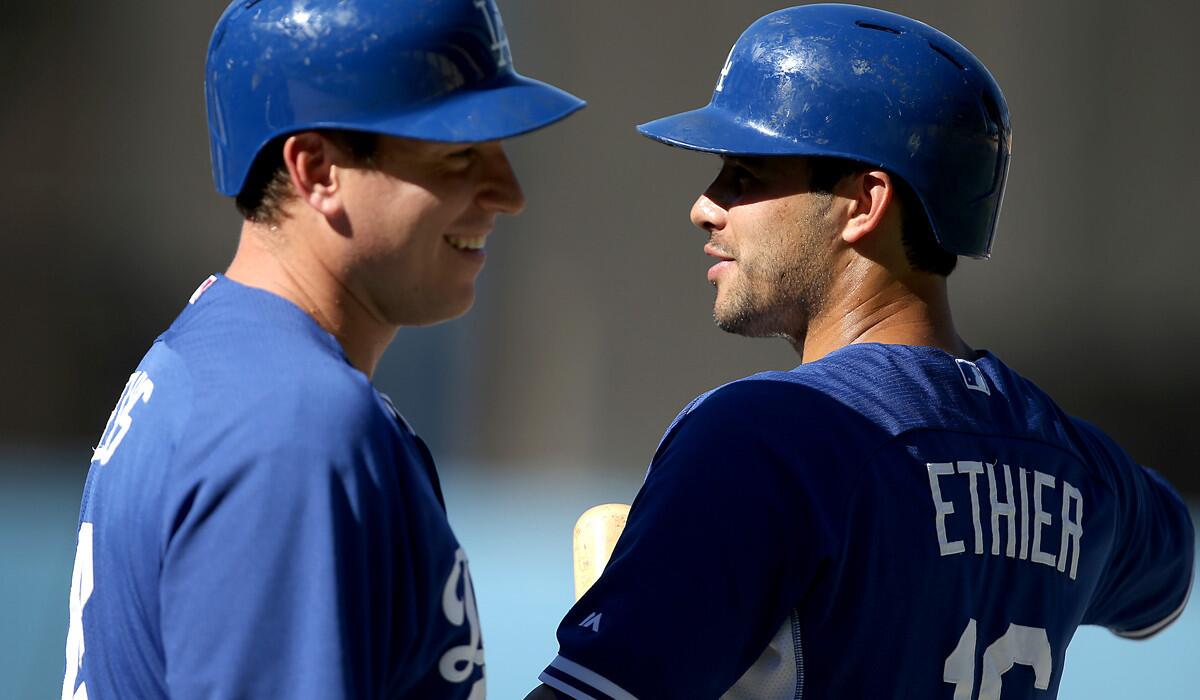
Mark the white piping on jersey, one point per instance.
(799, 648)
(202, 288)
(590, 677)
(1158, 626)
(563, 687)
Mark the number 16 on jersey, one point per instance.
(1019, 645)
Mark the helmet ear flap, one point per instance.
(870, 86)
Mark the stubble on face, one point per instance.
(783, 273)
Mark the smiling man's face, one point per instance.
(420, 216)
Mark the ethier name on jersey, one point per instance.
(1037, 526)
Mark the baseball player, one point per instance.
(258, 520)
(901, 516)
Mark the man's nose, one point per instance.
(501, 190)
(707, 214)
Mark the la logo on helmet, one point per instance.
(495, 27)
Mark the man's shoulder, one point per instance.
(325, 410)
(861, 396)
(230, 327)
(771, 406)
(1098, 448)
(818, 389)
(261, 385)
(762, 394)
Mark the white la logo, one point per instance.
(725, 71)
(457, 664)
(496, 29)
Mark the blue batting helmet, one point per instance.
(872, 86)
(436, 70)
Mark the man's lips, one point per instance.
(714, 252)
(723, 262)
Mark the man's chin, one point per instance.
(431, 315)
(736, 323)
(752, 323)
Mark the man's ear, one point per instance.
(309, 157)
(871, 194)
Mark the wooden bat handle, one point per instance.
(596, 533)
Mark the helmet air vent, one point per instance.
(946, 54)
(876, 27)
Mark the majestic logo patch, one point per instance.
(592, 621)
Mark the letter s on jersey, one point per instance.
(138, 388)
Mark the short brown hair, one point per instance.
(268, 186)
(916, 234)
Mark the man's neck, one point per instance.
(910, 311)
(289, 269)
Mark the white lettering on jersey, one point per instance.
(1002, 509)
(593, 621)
(82, 584)
(458, 662)
(1040, 517)
(138, 388)
(1004, 505)
(973, 470)
(1072, 530)
(1024, 515)
(1028, 646)
(942, 508)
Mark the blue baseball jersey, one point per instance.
(887, 522)
(258, 521)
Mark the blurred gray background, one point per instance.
(592, 326)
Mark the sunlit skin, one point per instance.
(822, 270)
(366, 248)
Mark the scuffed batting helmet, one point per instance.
(872, 86)
(436, 70)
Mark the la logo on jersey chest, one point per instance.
(1044, 539)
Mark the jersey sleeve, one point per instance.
(270, 574)
(1147, 580)
(725, 534)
